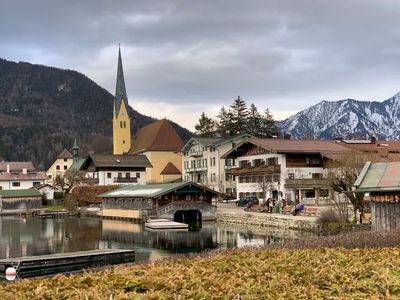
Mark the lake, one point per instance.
(36, 236)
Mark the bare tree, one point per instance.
(69, 180)
(263, 185)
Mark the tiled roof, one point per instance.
(157, 136)
(300, 146)
(121, 161)
(150, 190)
(20, 193)
(170, 169)
(380, 151)
(65, 154)
(23, 177)
(379, 177)
(17, 166)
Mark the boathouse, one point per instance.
(177, 201)
(20, 199)
(382, 182)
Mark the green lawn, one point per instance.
(334, 273)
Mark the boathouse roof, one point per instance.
(152, 190)
(379, 177)
(20, 193)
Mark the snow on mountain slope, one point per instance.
(346, 118)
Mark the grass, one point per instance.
(252, 273)
(54, 207)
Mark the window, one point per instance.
(121, 124)
(65, 160)
(205, 162)
(128, 175)
(57, 167)
(119, 175)
(36, 183)
(316, 175)
(124, 124)
(123, 142)
(272, 161)
(212, 161)
(291, 175)
(193, 164)
(137, 175)
(65, 167)
(16, 183)
(108, 174)
(275, 178)
(324, 193)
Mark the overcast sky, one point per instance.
(184, 57)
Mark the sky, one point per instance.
(184, 57)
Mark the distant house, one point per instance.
(47, 191)
(20, 175)
(65, 161)
(177, 201)
(106, 169)
(20, 199)
(162, 146)
(382, 182)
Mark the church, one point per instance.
(158, 141)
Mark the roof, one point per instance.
(379, 151)
(157, 136)
(150, 190)
(207, 142)
(170, 169)
(121, 161)
(120, 90)
(77, 163)
(379, 177)
(30, 176)
(20, 193)
(17, 165)
(65, 154)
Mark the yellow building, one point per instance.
(60, 166)
(121, 120)
(162, 145)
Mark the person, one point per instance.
(271, 205)
(298, 209)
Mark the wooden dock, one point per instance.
(164, 224)
(55, 214)
(30, 266)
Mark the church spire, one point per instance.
(120, 90)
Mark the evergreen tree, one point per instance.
(224, 124)
(268, 126)
(205, 127)
(254, 121)
(239, 113)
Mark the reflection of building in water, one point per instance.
(173, 241)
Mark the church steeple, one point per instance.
(121, 120)
(120, 90)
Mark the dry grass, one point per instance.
(233, 274)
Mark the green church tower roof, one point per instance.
(120, 90)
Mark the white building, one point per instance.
(202, 162)
(20, 175)
(108, 169)
(294, 170)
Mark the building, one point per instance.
(108, 169)
(292, 169)
(374, 150)
(161, 144)
(177, 201)
(382, 182)
(121, 120)
(20, 199)
(65, 161)
(202, 162)
(20, 175)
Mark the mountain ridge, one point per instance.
(347, 118)
(43, 109)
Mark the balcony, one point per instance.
(272, 169)
(198, 169)
(196, 153)
(125, 180)
(306, 183)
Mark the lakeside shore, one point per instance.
(301, 270)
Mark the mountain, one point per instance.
(346, 118)
(42, 110)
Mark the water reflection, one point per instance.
(35, 236)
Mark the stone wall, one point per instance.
(269, 220)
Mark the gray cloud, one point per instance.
(198, 55)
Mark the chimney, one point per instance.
(286, 136)
(24, 171)
(8, 168)
(373, 140)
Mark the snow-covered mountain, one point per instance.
(346, 118)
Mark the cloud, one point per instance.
(184, 57)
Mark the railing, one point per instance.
(198, 169)
(185, 205)
(196, 153)
(125, 179)
(261, 169)
(306, 182)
